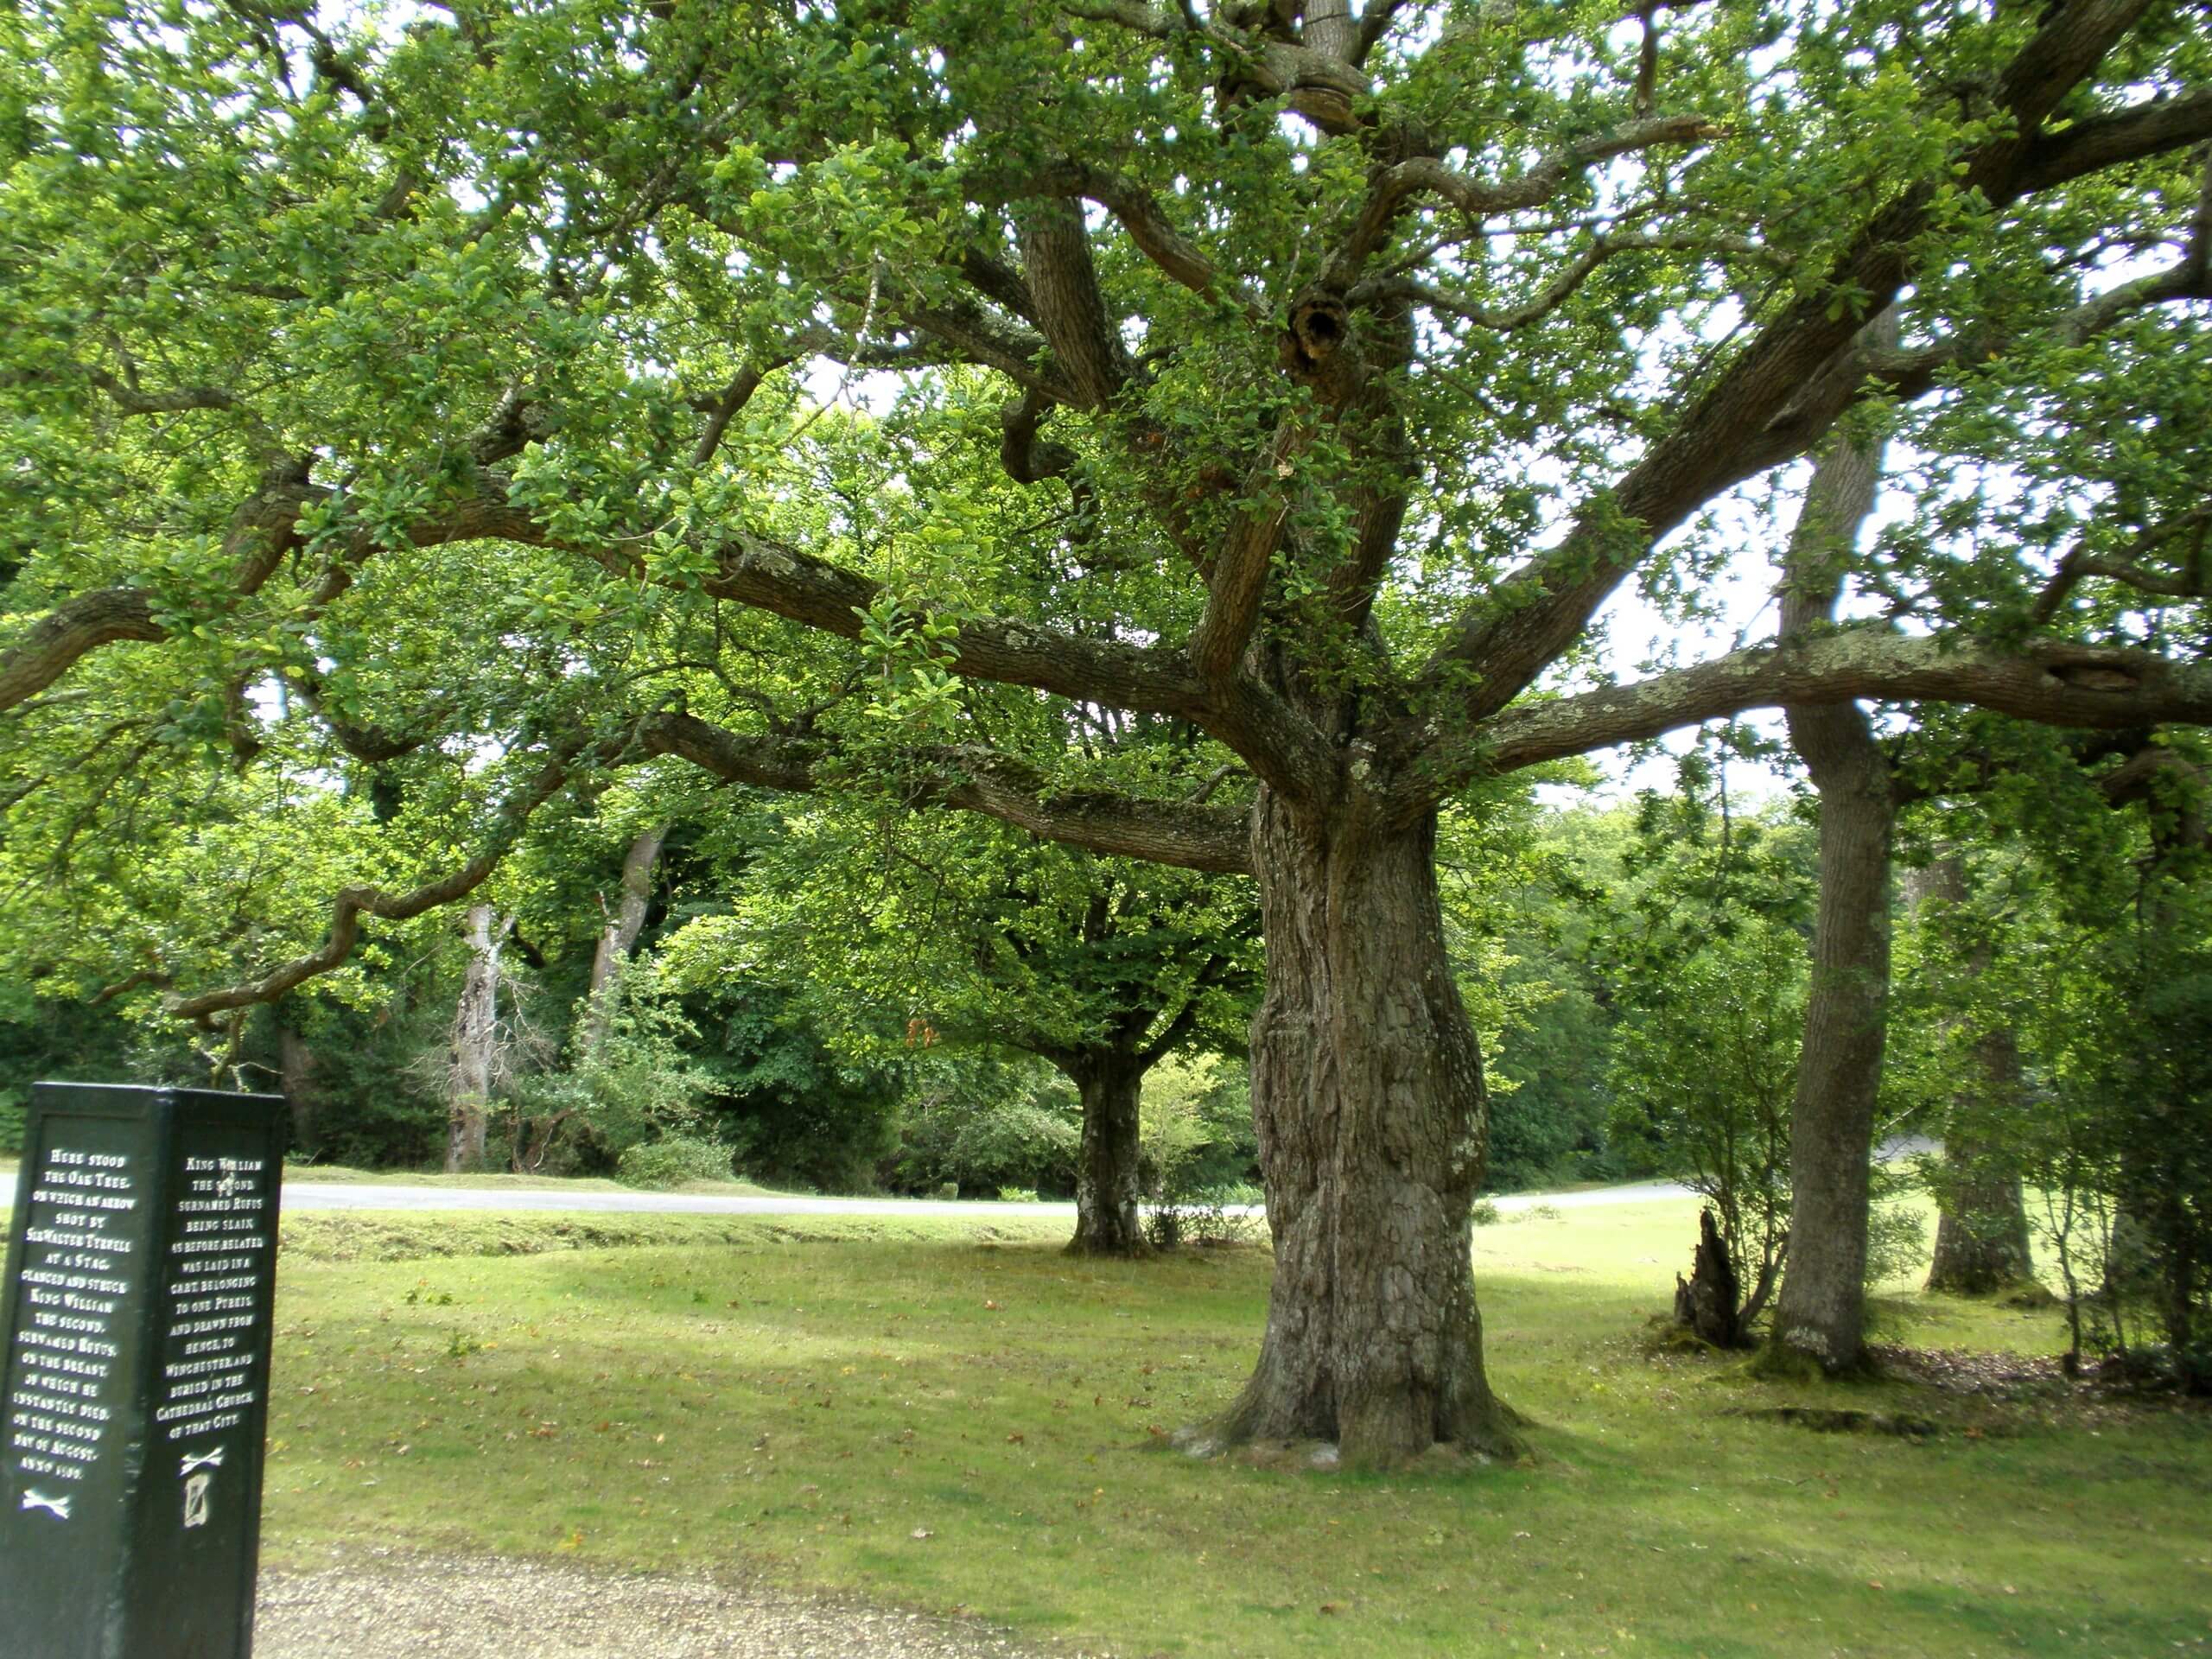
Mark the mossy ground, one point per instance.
(929, 1413)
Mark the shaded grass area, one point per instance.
(923, 1413)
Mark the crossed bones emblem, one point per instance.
(58, 1507)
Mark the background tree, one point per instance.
(935, 932)
(1846, 1026)
(1199, 1154)
(1981, 1230)
(619, 936)
(1708, 949)
(2117, 1010)
(476, 1053)
(1552, 1096)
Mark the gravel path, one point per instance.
(399, 1605)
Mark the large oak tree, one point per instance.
(1306, 379)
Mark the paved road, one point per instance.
(309, 1195)
(300, 1195)
(328, 1195)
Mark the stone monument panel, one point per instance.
(138, 1304)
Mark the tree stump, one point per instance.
(1705, 1303)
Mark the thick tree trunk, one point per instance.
(1981, 1230)
(1366, 1092)
(475, 1036)
(1821, 1310)
(1106, 1218)
(1981, 1226)
(617, 937)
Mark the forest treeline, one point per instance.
(847, 1001)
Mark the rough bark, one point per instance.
(1823, 1306)
(1106, 1218)
(619, 936)
(1366, 1092)
(475, 1037)
(1981, 1229)
(1822, 1309)
(1190, 834)
(1821, 1312)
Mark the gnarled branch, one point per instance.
(2124, 569)
(1395, 186)
(1239, 577)
(1568, 282)
(1063, 283)
(2091, 146)
(353, 903)
(1775, 402)
(51, 646)
(975, 779)
(1139, 212)
(2086, 686)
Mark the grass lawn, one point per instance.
(962, 1418)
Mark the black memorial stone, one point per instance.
(134, 1397)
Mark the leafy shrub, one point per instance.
(983, 1124)
(672, 1160)
(1194, 1129)
(1017, 1195)
(1196, 1148)
(1209, 1216)
(798, 1115)
(642, 1082)
(1897, 1235)
(1485, 1213)
(1704, 1074)
(368, 1103)
(631, 1082)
